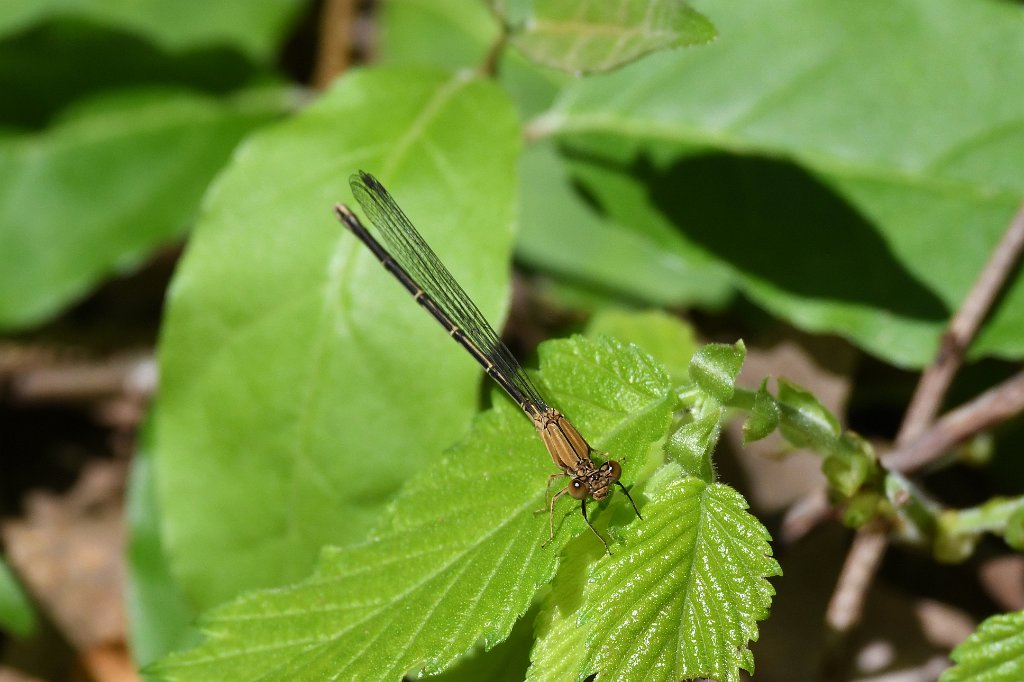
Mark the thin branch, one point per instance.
(132, 374)
(847, 603)
(992, 407)
(931, 389)
(337, 21)
(868, 548)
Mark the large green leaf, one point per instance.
(993, 653)
(449, 34)
(53, 53)
(584, 36)
(864, 203)
(159, 615)
(455, 34)
(300, 385)
(562, 233)
(668, 339)
(460, 554)
(693, 613)
(98, 191)
(253, 27)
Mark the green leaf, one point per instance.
(863, 210)
(580, 36)
(993, 653)
(562, 233)
(256, 28)
(764, 415)
(506, 662)
(668, 339)
(806, 423)
(459, 555)
(692, 445)
(96, 193)
(714, 367)
(691, 609)
(300, 384)
(449, 34)
(53, 53)
(16, 613)
(1014, 533)
(159, 615)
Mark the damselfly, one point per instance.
(418, 268)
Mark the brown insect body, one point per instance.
(570, 451)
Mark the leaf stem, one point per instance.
(489, 67)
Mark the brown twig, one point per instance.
(913, 449)
(935, 380)
(847, 603)
(337, 21)
(131, 374)
(992, 407)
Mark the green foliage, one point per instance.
(582, 36)
(765, 414)
(97, 192)
(806, 422)
(450, 34)
(158, 613)
(251, 27)
(667, 339)
(958, 531)
(708, 582)
(291, 364)
(993, 653)
(634, 255)
(696, 565)
(838, 154)
(16, 613)
(302, 390)
(714, 367)
(459, 555)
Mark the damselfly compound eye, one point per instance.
(579, 490)
(614, 471)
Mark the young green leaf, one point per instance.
(993, 653)
(764, 415)
(459, 556)
(583, 36)
(714, 368)
(16, 613)
(680, 599)
(805, 421)
(692, 444)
